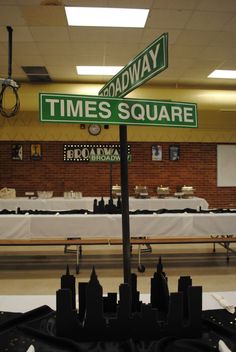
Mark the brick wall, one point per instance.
(196, 167)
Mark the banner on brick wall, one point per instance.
(94, 152)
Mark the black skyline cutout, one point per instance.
(106, 318)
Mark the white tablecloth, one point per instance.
(110, 226)
(16, 227)
(60, 203)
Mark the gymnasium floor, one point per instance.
(37, 270)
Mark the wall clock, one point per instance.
(94, 129)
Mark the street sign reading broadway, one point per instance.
(143, 67)
(117, 111)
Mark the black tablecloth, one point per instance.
(37, 327)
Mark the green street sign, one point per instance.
(107, 158)
(67, 108)
(150, 62)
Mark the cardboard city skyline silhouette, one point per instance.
(111, 318)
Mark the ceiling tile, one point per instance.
(4, 34)
(130, 50)
(89, 60)
(62, 60)
(150, 34)
(180, 63)
(19, 34)
(228, 65)
(64, 48)
(17, 71)
(113, 60)
(86, 3)
(50, 34)
(175, 18)
(206, 65)
(10, 15)
(62, 71)
(219, 52)
(27, 2)
(84, 48)
(189, 52)
(87, 34)
(56, 68)
(44, 15)
(170, 72)
(124, 35)
(9, 2)
(27, 48)
(201, 38)
(217, 5)
(3, 68)
(231, 25)
(210, 21)
(28, 60)
(224, 39)
(195, 73)
(3, 49)
(195, 37)
(175, 4)
(130, 3)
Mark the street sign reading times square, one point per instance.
(89, 109)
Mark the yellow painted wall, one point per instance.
(217, 121)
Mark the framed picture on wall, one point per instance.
(17, 152)
(156, 152)
(174, 152)
(36, 152)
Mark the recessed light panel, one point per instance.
(98, 70)
(228, 74)
(106, 17)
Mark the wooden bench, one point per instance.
(223, 240)
(177, 240)
(78, 242)
(54, 242)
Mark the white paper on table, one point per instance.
(31, 349)
(222, 301)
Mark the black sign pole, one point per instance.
(110, 180)
(125, 204)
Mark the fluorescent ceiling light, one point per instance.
(98, 70)
(106, 17)
(230, 74)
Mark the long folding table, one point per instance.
(29, 226)
(60, 203)
(104, 229)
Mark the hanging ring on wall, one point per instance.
(12, 87)
(9, 84)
